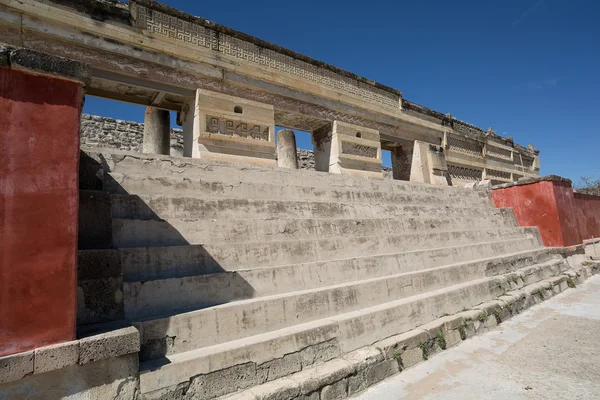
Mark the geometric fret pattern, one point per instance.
(498, 174)
(465, 173)
(236, 128)
(499, 152)
(156, 22)
(464, 146)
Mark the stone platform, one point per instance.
(241, 277)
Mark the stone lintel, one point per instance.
(151, 4)
(529, 181)
(19, 58)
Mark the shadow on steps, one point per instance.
(111, 280)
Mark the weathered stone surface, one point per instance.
(111, 378)
(281, 389)
(109, 345)
(222, 382)
(321, 375)
(124, 135)
(157, 127)
(55, 357)
(286, 149)
(411, 357)
(289, 364)
(46, 63)
(335, 391)
(16, 366)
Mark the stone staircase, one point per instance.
(237, 276)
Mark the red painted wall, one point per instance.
(39, 153)
(563, 218)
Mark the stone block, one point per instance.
(220, 127)
(429, 164)
(56, 356)
(16, 366)
(452, 337)
(364, 357)
(411, 357)
(243, 395)
(112, 378)
(224, 381)
(468, 330)
(321, 375)
(287, 365)
(335, 391)
(355, 150)
(381, 370)
(110, 344)
(281, 389)
(319, 353)
(394, 346)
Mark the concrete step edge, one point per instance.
(128, 233)
(512, 258)
(209, 191)
(499, 231)
(525, 253)
(148, 369)
(354, 372)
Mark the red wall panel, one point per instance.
(564, 218)
(39, 153)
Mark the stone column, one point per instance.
(287, 157)
(321, 139)
(401, 162)
(41, 97)
(187, 122)
(429, 164)
(157, 131)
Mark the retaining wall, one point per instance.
(563, 217)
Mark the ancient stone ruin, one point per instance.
(140, 262)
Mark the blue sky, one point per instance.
(527, 68)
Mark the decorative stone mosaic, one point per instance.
(464, 146)
(359, 150)
(465, 173)
(498, 152)
(159, 23)
(236, 128)
(498, 174)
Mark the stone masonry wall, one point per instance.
(127, 135)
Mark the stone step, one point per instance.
(123, 162)
(176, 232)
(336, 335)
(244, 318)
(202, 188)
(150, 263)
(295, 376)
(148, 207)
(278, 252)
(163, 296)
